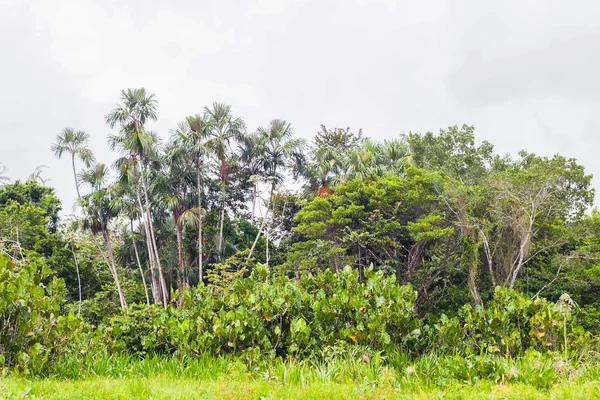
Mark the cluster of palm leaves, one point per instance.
(339, 155)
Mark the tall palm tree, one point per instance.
(128, 178)
(252, 150)
(125, 202)
(76, 144)
(224, 129)
(135, 109)
(98, 212)
(281, 150)
(192, 135)
(175, 184)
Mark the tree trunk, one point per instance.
(200, 221)
(156, 291)
(179, 235)
(263, 223)
(161, 276)
(473, 275)
(222, 218)
(114, 268)
(78, 278)
(108, 264)
(75, 175)
(253, 200)
(72, 249)
(137, 258)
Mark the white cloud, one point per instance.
(110, 52)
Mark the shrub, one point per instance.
(28, 313)
(509, 324)
(264, 315)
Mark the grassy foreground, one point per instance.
(351, 375)
(169, 387)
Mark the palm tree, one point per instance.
(72, 246)
(76, 144)
(192, 134)
(136, 108)
(174, 183)
(224, 129)
(98, 212)
(129, 179)
(252, 151)
(281, 150)
(330, 159)
(125, 202)
(373, 159)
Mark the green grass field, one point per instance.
(170, 387)
(351, 376)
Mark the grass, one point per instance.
(171, 387)
(347, 376)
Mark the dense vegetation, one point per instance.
(427, 256)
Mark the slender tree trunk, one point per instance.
(222, 218)
(267, 255)
(200, 222)
(161, 276)
(179, 235)
(263, 223)
(75, 175)
(114, 268)
(156, 291)
(253, 201)
(137, 258)
(78, 278)
(267, 247)
(72, 248)
(474, 265)
(522, 250)
(108, 264)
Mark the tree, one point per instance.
(128, 181)
(76, 144)
(534, 196)
(174, 183)
(329, 158)
(125, 202)
(136, 108)
(371, 222)
(192, 135)
(279, 150)
(28, 216)
(376, 159)
(98, 212)
(252, 152)
(224, 129)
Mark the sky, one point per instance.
(524, 73)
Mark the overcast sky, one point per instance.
(524, 73)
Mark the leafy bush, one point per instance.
(28, 313)
(509, 324)
(264, 315)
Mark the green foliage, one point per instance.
(508, 325)
(275, 315)
(29, 315)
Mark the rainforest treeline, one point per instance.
(297, 243)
